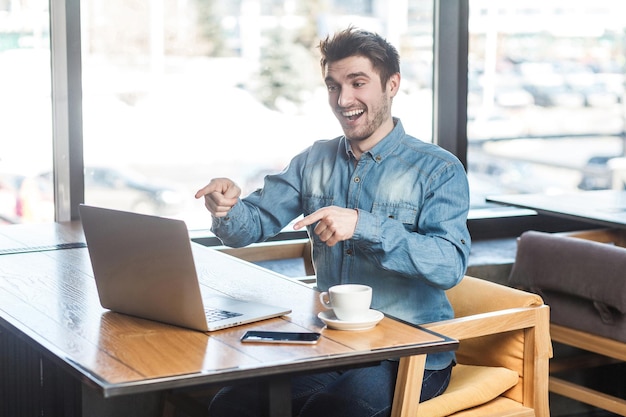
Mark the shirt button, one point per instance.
(357, 179)
(378, 158)
(349, 252)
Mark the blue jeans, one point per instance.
(362, 392)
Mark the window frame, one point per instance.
(67, 122)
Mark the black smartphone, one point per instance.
(258, 336)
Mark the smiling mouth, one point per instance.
(352, 114)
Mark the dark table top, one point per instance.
(603, 207)
(48, 297)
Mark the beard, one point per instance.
(364, 130)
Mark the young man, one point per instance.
(381, 208)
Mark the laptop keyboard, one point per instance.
(215, 314)
(59, 246)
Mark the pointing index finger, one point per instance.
(208, 189)
(308, 220)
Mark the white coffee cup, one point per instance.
(349, 302)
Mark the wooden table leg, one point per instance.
(408, 386)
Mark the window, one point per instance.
(546, 96)
(25, 112)
(180, 92)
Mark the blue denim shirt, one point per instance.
(411, 240)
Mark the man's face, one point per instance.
(359, 101)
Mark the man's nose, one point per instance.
(345, 98)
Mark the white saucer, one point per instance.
(370, 320)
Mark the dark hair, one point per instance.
(357, 42)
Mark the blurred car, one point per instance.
(25, 198)
(109, 187)
(556, 95)
(513, 97)
(128, 190)
(598, 173)
(9, 188)
(598, 95)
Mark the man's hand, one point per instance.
(220, 195)
(335, 224)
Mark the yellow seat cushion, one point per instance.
(469, 386)
(497, 407)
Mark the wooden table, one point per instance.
(603, 208)
(62, 353)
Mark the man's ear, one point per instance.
(393, 85)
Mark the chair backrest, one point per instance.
(582, 281)
(474, 296)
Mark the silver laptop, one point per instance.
(143, 266)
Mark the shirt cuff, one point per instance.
(367, 227)
(227, 222)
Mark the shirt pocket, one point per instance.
(402, 212)
(314, 203)
(311, 204)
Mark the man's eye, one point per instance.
(331, 87)
(357, 85)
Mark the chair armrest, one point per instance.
(489, 323)
(499, 326)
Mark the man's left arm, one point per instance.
(437, 249)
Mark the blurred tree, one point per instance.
(313, 11)
(209, 26)
(288, 69)
(278, 76)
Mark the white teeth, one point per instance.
(352, 113)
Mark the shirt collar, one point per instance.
(383, 148)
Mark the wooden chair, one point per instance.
(581, 277)
(272, 251)
(499, 329)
